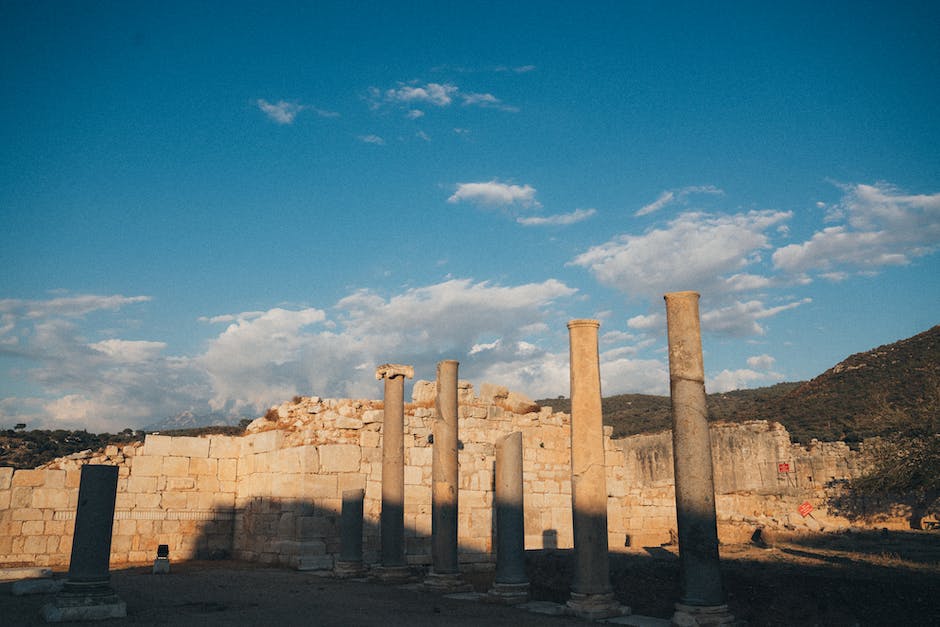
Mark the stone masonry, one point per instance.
(275, 494)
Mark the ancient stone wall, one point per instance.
(274, 495)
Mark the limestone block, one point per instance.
(348, 422)
(373, 416)
(369, 439)
(51, 498)
(424, 392)
(175, 466)
(227, 469)
(33, 528)
(225, 447)
(339, 457)
(262, 442)
(157, 445)
(5, 497)
(73, 478)
(34, 544)
(146, 466)
(204, 466)
(26, 513)
(320, 486)
(179, 484)
(418, 456)
(6, 477)
(147, 501)
(141, 484)
(414, 475)
(29, 478)
(418, 498)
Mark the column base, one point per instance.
(508, 593)
(695, 615)
(446, 583)
(347, 570)
(392, 574)
(161, 566)
(78, 606)
(595, 606)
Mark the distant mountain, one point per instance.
(891, 389)
(190, 420)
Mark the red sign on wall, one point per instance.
(783, 466)
(805, 508)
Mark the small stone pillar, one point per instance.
(445, 569)
(161, 565)
(702, 600)
(87, 593)
(349, 563)
(591, 594)
(394, 567)
(511, 584)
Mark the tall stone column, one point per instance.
(511, 584)
(445, 569)
(394, 567)
(591, 594)
(349, 563)
(87, 593)
(702, 596)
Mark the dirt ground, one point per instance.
(871, 578)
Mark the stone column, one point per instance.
(591, 594)
(349, 563)
(702, 596)
(445, 569)
(511, 584)
(394, 567)
(87, 594)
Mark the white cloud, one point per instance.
(438, 95)
(645, 323)
(880, 226)
(423, 135)
(129, 351)
(372, 139)
(678, 195)
(414, 114)
(67, 306)
(495, 194)
(282, 112)
(761, 362)
(697, 251)
(728, 380)
(740, 319)
(563, 219)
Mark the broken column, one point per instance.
(702, 600)
(511, 584)
(591, 594)
(349, 563)
(393, 567)
(87, 593)
(445, 569)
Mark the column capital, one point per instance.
(583, 322)
(394, 370)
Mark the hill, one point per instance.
(891, 389)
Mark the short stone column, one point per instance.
(445, 569)
(702, 600)
(591, 594)
(87, 593)
(511, 584)
(349, 563)
(393, 567)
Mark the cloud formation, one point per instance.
(878, 226)
(561, 219)
(677, 195)
(284, 112)
(495, 194)
(439, 95)
(658, 261)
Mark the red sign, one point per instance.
(783, 467)
(805, 508)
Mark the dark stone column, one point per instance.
(702, 596)
(591, 594)
(393, 567)
(87, 594)
(511, 584)
(349, 563)
(445, 569)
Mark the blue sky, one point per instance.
(216, 206)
